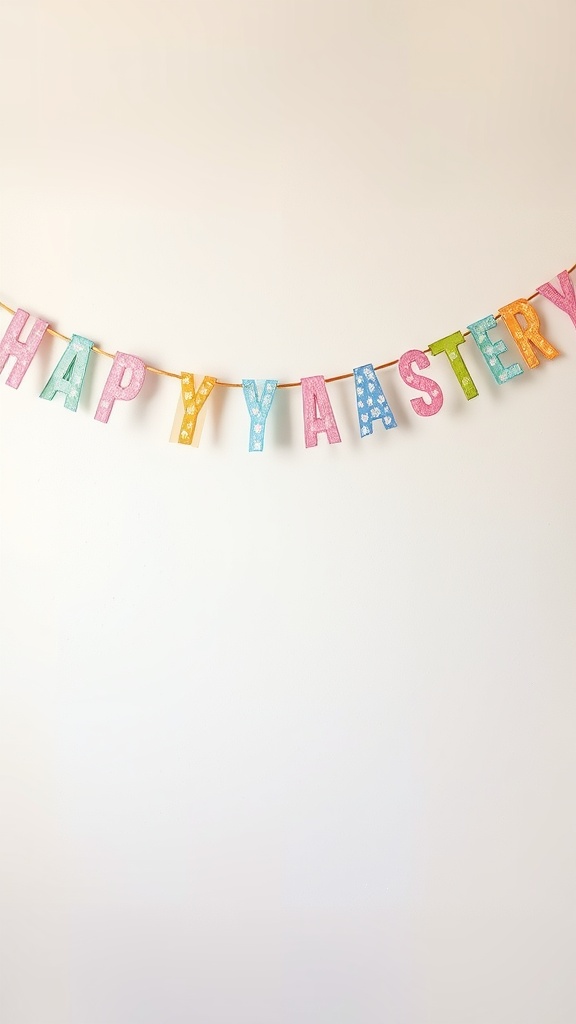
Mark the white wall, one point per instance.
(287, 739)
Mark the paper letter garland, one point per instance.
(128, 372)
(492, 349)
(114, 389)
(23, 350)
(371, 401)
(258, 408)
(430, 387)
(315, 396)
(527, 336)
(68, 376)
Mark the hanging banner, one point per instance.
(127, 375)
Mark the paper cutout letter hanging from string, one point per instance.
(115, 390)
(491, 350)
(315, 400)
(11, 345)
(450, 345)
(68, 375)
(430, 387)
(371, 401)
(190, 406)
(258, 404)
(566, 299)
(526, 337)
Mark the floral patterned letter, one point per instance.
(371, 401)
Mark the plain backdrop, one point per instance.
(287, 738)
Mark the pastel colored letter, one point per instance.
(371, 401)
(526, 337)
(258, 404)
(450, 345)
(421, 406)
(566, 299)
(492, 349)
(115, 389)
(68, 376)
(23, 350)
(192, 400)
(318, 414)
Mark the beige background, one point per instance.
(287, 739)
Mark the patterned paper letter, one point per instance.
(115, 390)
(192, 401)
(258, 404)
(449, 345)
(566, 299)
(371, 401)
(492, 349)
(68, 376)
(430, 387)
(527, 336)
(315, 399)
(23, 350)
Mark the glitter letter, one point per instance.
(23, 350)
(432, 389)
(191, 402)
(258, 408)
(492, 349)
(566, 299)
(523, 336)
(68, 376)
(114, 389)
(371, 401)
(450, 345)
(315, 399)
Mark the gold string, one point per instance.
(230, 384)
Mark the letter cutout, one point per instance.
(430, 387)
(115, 390)
(371, 401)
(527, 336)
(191, 402)
(258, 405)
(315, 399)
(492, 349)
(68, 376)
(450, 345)
(566, 299)
(23, 350)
